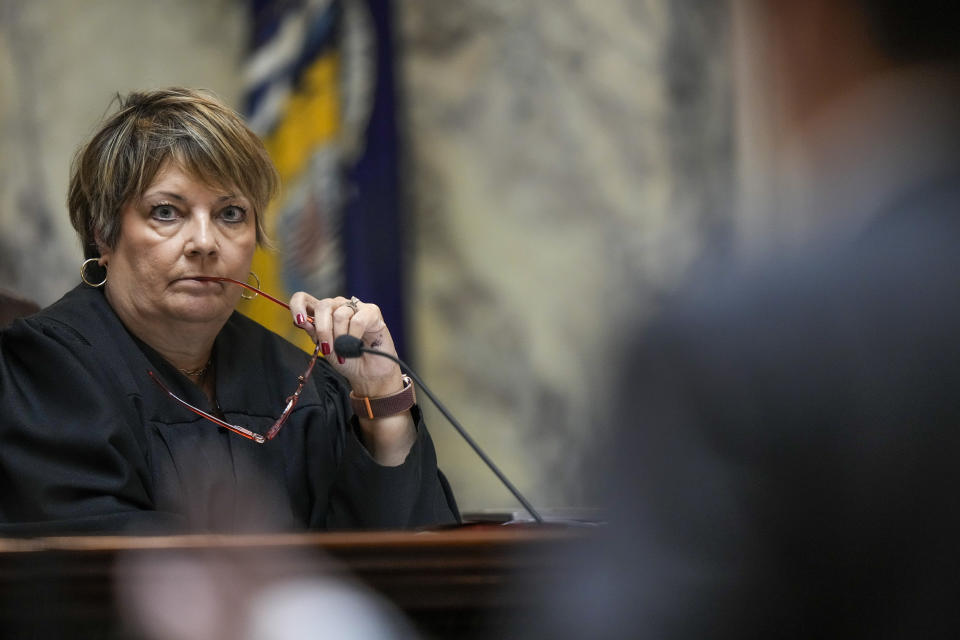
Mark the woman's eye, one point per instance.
(234, 214)
(163, 212)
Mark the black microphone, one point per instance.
(348, 346)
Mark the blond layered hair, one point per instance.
(208, 139)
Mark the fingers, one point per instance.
(323, 321)
(356, 320)
(342, 316)
(333, 317)
(357, 323)
(304, 307)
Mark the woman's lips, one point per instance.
(193, 284)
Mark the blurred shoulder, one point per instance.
(833, 332)
(904, 262)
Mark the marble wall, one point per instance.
(564, 161)
(568, 160)
(60, 63)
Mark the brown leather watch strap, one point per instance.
(384, 406)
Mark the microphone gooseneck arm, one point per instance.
(351, 347)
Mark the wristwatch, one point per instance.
(383, 406)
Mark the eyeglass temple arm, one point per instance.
(293, 399)
(247, 286)
(246, 433)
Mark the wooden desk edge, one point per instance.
(497, 536)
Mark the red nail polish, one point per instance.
(325, 348)
(299, 318)
(340, 359)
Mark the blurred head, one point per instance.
(192, 129)
(822, 86)
(809, 53)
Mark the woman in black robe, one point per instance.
(95, 432)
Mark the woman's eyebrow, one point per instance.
(166, 194)
(176, 196)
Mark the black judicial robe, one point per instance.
(89, 443)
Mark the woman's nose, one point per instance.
(202, 238)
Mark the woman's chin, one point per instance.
(204, 311)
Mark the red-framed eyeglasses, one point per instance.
(291, 399)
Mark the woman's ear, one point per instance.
(102, 248)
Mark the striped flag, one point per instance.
(320, 93)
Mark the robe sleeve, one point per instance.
(72, 457)
(368, 495)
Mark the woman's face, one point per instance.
(180, 228)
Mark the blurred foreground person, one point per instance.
(142, 402)
(234, 593)
(788, 442)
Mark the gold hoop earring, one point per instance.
(83, 273)
(244, 295)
